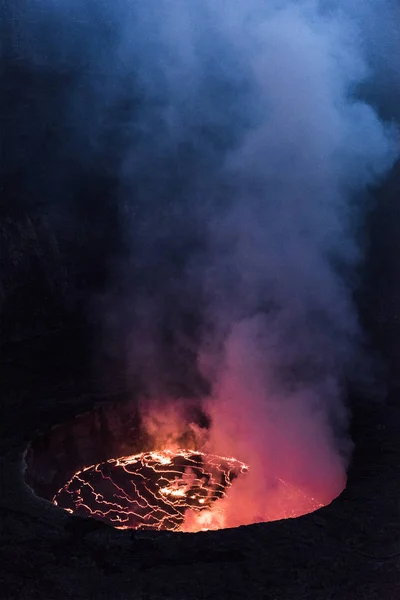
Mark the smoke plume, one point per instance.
(243, 151)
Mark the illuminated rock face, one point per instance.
(153, 490)
(109, 429)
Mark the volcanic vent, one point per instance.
(79, 467)
(125, 468)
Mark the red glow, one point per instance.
(283, 435)
(153, 490)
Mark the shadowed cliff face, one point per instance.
(58, 222)
(379, 294)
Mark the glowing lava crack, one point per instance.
(151, 490)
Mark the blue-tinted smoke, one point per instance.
(242, 151)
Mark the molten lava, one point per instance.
(153, 490)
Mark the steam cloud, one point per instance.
(245, 153)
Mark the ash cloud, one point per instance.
(243, 151)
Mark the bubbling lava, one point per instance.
(176, 490)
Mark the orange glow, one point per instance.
(177, 490)
(293, 466)
(153, 490)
